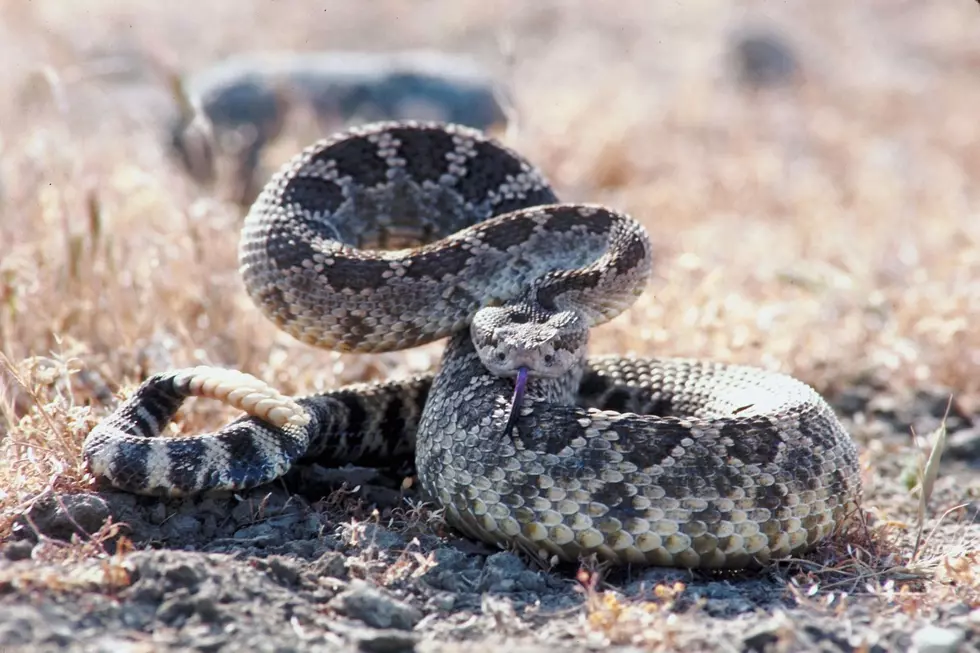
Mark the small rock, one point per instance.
(505, 563)
(64, 515)
(260, 535)
(940, 402)
(176, 610)
(727, 607)
(113, 644)
(763, 59)
(375, 608)
(122, 502)
(184, 575)
(958, 610)
(853, 400)
(286, 523)
(18, 550)
(210, 642)
(722, 590)
(137, 616)
(209, 527)
(443, 601)
(761, 639)
(454, 560)
(964, 445)
(303, 549)
(505, 572)
(385, 641)
(157, 514)
(831, 640)
(207, 609)
(182, 526)
(332, 564)
(381, 538)
(244, 513)
(923, 412)
(284, 570)
(934, 639)
(454, 571)
(145, 592)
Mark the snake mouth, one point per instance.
(520, 385)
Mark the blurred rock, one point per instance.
(934, 639)
(763, 59)
(964, 445)
(375, 608)
(239, 106)
(62, 516)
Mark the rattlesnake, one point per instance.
(663, 461)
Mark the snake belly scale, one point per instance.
(393, 235)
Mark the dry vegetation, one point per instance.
(830, 230)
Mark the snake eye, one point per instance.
(549, 359)
(500, 356)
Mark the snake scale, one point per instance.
(396, 234)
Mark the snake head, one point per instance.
(543, 343)
(523, 339)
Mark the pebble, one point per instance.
(454, 571)
(854, 399)
(385, 641)
(964, 445)
(367, 603)
(726, 607)
(380, 538)
(764, 59)
(182, 526)
(442, 602)
(934, 639)
(760, 639)
(331, 564)
(505, 572)
(157, 514)
(70, 514)
(285, 570)
(18, 550)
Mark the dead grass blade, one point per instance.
(927, 479)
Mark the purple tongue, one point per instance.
(515, 401)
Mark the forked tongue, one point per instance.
(517, 400)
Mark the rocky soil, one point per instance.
(369, 568)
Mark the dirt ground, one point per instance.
(821, 219)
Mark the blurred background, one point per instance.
(807, 170)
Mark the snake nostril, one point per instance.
(500, 356)
(549, 359)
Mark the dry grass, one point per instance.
(831, 231)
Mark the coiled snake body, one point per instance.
(397, 234)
